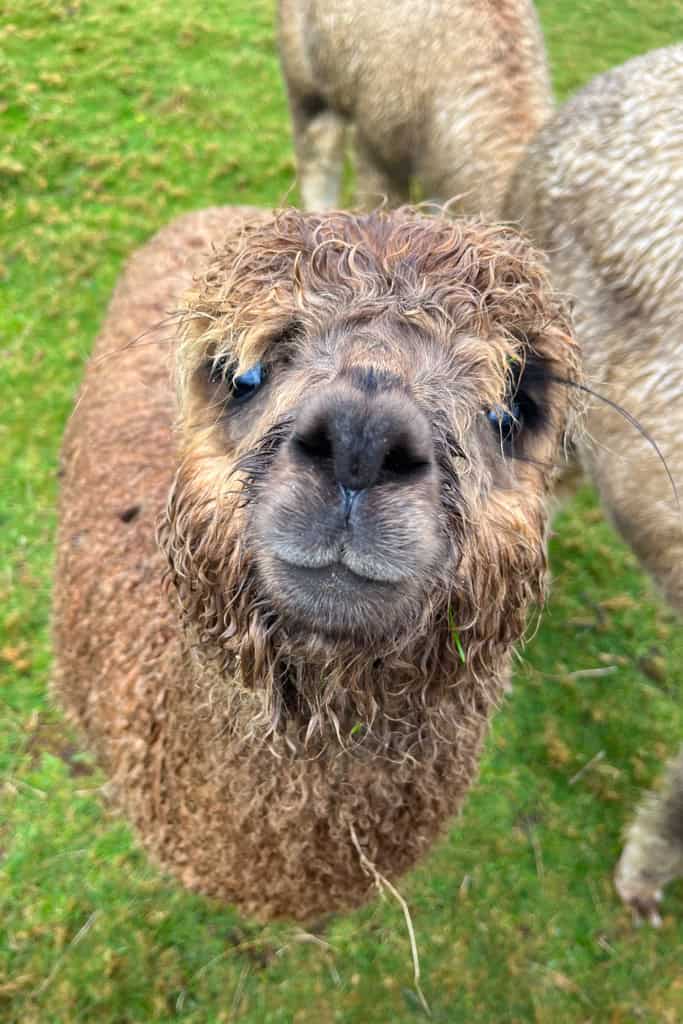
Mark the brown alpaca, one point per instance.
(346, 489)
(601, 188)
(447, 93)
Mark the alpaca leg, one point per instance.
(638, 495)
(653, 854)
(319, 144)
(375, 185)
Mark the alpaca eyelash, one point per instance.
(222, 368)
(506, 420)
(217, 369)
(523, 406)
(242, 386)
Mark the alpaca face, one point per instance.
(371, 414)
(347, 523)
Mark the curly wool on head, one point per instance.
(251, 718)
(299, 276)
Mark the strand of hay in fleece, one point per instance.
(383, 883)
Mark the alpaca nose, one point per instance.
(363, 442)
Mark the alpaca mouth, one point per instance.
(345, 563)
(337, 574)
(335, 600)
(362, 580)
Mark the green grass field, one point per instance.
(115, 117)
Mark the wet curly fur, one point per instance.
(600, 189)
(245, 748)
(446, 93)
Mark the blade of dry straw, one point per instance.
(383, 883)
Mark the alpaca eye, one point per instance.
(505, 420)
(247, 384)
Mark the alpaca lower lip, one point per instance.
(334, 601)
(334, 573)
(343, 559)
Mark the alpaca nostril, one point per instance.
(314, 443)
(359, 443)
(402, 461)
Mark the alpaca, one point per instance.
(601, 189)
(351, 477)
(447, 93)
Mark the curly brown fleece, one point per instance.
(185, 691)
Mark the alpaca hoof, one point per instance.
(641, 896)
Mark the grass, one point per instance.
(114, 118)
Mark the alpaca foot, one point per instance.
(653, 854)
(640, 894)
(642, 899)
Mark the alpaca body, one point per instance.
(255, 757)
(250, 823)
(447, 93)
(601, 189)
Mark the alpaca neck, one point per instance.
(314, 707)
